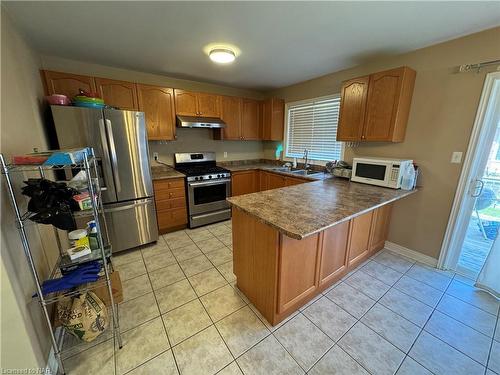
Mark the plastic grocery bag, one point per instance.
(85, 316)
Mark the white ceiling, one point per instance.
(281, 42)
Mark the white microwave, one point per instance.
(379, 171)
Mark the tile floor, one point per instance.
(182, 313)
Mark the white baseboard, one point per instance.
(412, 254)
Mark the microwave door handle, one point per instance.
(112, 152)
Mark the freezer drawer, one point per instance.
(131, 224)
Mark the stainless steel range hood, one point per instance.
(200, 122)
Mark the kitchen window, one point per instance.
(312, 125)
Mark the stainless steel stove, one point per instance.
(207, 186)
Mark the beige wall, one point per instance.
(441, 118)
(21, 130)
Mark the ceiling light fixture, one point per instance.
(222, 55)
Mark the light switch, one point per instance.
(225, 154)
(456, 157)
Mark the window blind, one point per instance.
(312, 125)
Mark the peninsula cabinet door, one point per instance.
(334, 258)
(231, 115)
(352, 109)
(380, 227)
(297, 278)
(250, 120)
(119, 94)
(157, 103)
(275, 181)
(66, 83)
(359, 238)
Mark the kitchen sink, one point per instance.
(281, 169)
(304, 172)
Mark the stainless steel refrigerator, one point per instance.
(120, 144)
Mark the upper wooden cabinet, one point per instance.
(157, 103)
(250, 119)
(273, 111)
(189, 103)
(376, 107)
(231, 115)
(120, 94)
(66, 83)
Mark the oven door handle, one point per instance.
(209, 182)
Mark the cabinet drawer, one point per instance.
(172, 218)
(167, 204)
(168, 184)
(170, 194)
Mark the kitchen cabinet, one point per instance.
(273, 120)
(275, 181)
(380, 228)
(289, 181)
(376, 107)
(157, 103)
(352, 109)
(189, 103)
(66, 83)
(359, 238)
(120, 94)
(334, 256)
(170, 199)
(279, 274)
(250, 119)
(244, 182)
(231, 115)
(295, 286)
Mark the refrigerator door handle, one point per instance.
(128, 206)
(112, 151)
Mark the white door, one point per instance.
(475, 217)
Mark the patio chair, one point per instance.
(485, 200)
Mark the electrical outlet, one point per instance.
(456, 157)
(225, 154)
(155, 156)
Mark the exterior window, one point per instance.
(312, 125)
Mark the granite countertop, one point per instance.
(301, 210)
(162, 172)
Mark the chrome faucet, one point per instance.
(306, 153)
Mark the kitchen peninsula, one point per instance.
(290, 244)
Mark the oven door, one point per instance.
(370, 172)
(207, 196)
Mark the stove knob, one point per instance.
(218, 176)
(201, 177)
(210, 176)
(196, 178)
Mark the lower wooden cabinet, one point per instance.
(359, 238)
(334, 255)
(170, 199)
(252, 181)
(244, 182)
(279, 274)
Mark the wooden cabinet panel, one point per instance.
(298, 269)
(275, 181)
(170, 199)
(157, 103)
(208, 105)
(119, 94)
(244, 182)
(185, 103)
(231, 115)
(289, 181)
(250, 126)
(359, 238)
(333, 253)
(273, 111)
(263, 181)
(388, 104)
(352, 109)
(66, 83)
(380, 227)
